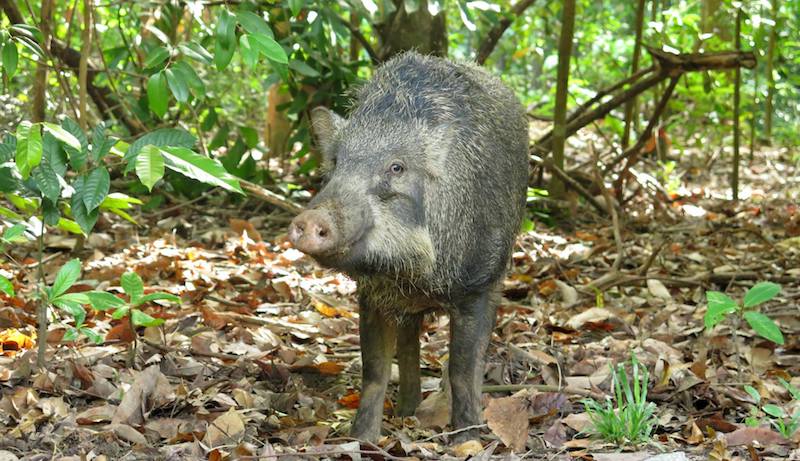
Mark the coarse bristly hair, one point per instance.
(467, 136)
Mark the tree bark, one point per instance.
(637, 52)
(39, 90)
(419, 30)
(556, 187)
(773, 38)
(736, 100)
(83, 63)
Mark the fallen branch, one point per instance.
(271, 197)
(571, 183)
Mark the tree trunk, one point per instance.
(418, 30)
(630, 107)
(773, 37)
(39, 96)
(556, 187)
(736, 100)
(83, 65)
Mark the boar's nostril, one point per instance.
(322, 232)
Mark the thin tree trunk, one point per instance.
(637, 52)
(736, 99)
(773, 37)
(39, 96)
(355, 45)
(83, 65)
(753, 112)
(556, 187)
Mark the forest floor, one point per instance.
(261, 358)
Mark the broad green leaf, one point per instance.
(70, 335)
(196, 52)
(47, 181)
(121, 311)
(157, 94)
(142, 319)
(254, 23)
(29, 148)
(773, 410)
(163, 137)
(267, 46)
(133, 286)
(50, 212)
(74, 309)
(761, 292)
(764, 326)
(77, 157)
(96, 188)
(150, 166)
(62, 135)
(15, 234)
(120, 201)
(8, 180)
(223, 55)
(66, 277)
(296, 6)
(795, 392)
(156, 56)
(27, 31)
(85, 219)
(123, 215)
(177, 85)
(79, 298)
(6, 286)
(101, 144)
(753, 393)
(10, 58)
(33, 46)
(69, 226)
(189, 76)
(55, 154)
(93, 336)
(719, 305)
(159, 296)
(103, 300)
(200, 167)
(303, 68)
(226, 28)
(249, 54)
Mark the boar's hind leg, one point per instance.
(471, 324)
(410, 393)
(378, 335)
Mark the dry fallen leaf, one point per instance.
(468, 448)
(507, 417)
(226, 429)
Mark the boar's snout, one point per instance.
(313, 232)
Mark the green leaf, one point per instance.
(753, 393)
(163, 137)
(66, 277)
(96, 188)
(10, 58)
(159, 296)
(29, 148)
(196, 51)
(267, 46)
(157, 94)
(177, 85)
(133, 286)
(150, 166)
(50, 212)
(121, 311)
(6, 286)
(761, 292)
(75, 310)
(85, 219)
(78, 298)
(249, 54)
(189, 76)
(47, 181)
(254, 23)
(719, 305)
(69, 226)
(62, 135)
(303, 68)
(773, 410)
(155, 57)
(103, 300)
(101, 143)
(200, 167)
(15, 234)
(77, 157)
(764, 326)
(70, 335)
(226, 28)
(120, 201)
(93, 336)
(142, 319)
(296, 6)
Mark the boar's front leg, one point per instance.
(410, 393)
(471, 324)
(378, 336)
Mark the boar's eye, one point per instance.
(396, 168)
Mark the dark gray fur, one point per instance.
(437, 235)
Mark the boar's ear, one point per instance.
(325, 124)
